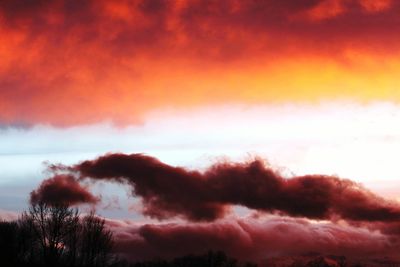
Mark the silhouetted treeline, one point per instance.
(55, 236)
(210, 259)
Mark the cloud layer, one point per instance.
(291, 216)
(247, 239)
(167, 191)
(67, 63)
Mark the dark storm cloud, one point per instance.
(62, 190)
(167, 191)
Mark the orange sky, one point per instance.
(68, 63)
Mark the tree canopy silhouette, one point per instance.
(55, 236)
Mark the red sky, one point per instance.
(313, 82)
(66, 63)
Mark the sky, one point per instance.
(204, 121)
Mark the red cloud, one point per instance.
(62, 189)
(350, 220)
(167, 191)
(68, 62)
(247, 239)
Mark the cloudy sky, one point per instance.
(207, 120)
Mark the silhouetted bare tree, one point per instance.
(95, 242)
(51, 225)
(55, 236)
